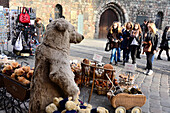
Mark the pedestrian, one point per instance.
(151, 40)
(135, 41)
(164, 43)
(40, 30)
(115, 37)
(124, 44)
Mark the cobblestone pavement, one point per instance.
(156, 87)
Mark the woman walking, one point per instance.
(114, 36)
(124, 45)
(135, 41)
(164, 43)
(151, 41)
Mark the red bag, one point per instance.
(24, 18)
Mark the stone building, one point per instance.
(93, 18)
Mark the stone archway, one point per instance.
(118, 11)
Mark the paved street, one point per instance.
(156, 87)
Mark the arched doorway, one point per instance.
(58, 11)
(115, 12)
(158, 21)
(106, 20)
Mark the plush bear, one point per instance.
(26, 68)
(52, 75)
(86, 61)
(17, 73)
(24, 81)
(30, 74)
(7, 70)
(51, 108)
(99, 110)
(15, 65)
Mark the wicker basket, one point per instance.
(16, 89)
(127, 100)
(101, 90)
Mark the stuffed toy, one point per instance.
(24, 81)
(30, 74)
(26, 68)
(67, 105)
(18, 73)
(15, 65)
(87, 61)
(51, 108)
(7, 70)
(99, 110)
(56, 101)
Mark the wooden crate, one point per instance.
(16, 89)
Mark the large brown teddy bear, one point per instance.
(53, 76)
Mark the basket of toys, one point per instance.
(125, 97)
(17, 80)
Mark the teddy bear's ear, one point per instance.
(61, 26)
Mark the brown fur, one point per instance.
(53, 76)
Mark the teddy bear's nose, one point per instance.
(82, 37)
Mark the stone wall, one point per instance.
(4, 3)
(92, 10)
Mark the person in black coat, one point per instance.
(135, 41)
(115, 37)
(164, 43)
(152, 39)
(124, 44)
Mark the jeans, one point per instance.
(153, 58)
(118, 53)
(113, 55)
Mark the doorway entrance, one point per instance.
(106, 20)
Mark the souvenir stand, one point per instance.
(27, 29)
(14, 92)
(4, 28)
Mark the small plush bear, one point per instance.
(30, 74)
(99, 110)
(26, 68)
(18, 72)
(7, 70)
(15, 65)
(51, 108)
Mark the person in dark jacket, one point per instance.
(135, 41)
(164, 43)
(124, 44)
(152, 40)
(115, 37)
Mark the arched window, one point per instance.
(58, 11)
(158, 21)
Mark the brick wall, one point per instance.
(91, 10)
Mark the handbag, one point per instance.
(108, 46)
(147, 48)
(18, 44)
(32, 14)
(24, 18)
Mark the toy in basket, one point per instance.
(16, 80)
(125, 99)
(76, 69)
